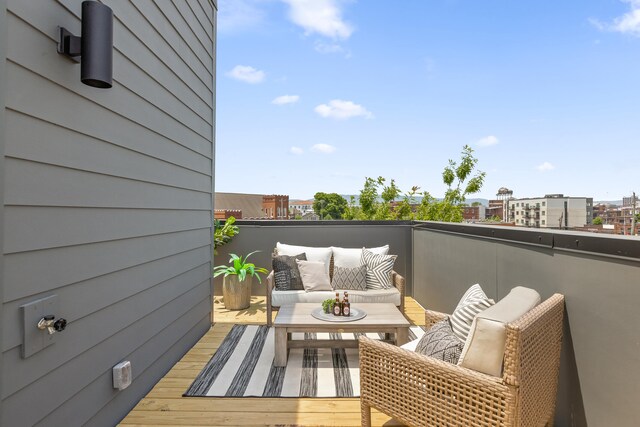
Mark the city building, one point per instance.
(474, 213)
(249, 205)
(495, 209)
(275, 206)
(300, 207)
(551, 211)
(226, 213)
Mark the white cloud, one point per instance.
(323, 17)
(323, 148)
(296, 150)
(487, 141)
(629, 23)
(238, 15)
(246, 74)
(342, 110)
(286, 99)
(544, 167)
(322, 47)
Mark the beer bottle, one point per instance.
(346, 305)
(337, 309)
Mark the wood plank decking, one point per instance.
(165, 406)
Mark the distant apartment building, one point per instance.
(300, 207)
(474, 213)
(495, 209)
(275, 206)
(551, 211)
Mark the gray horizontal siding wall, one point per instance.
(107, 204)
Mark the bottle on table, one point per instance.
(337, 307)
(346, 305)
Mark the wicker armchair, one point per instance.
(422, 391)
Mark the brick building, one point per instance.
(275, 206)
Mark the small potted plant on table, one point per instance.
(238, 277)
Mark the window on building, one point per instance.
(543, 222)
(518, 204)
(544, 203)
(543, 212)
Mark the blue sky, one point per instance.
(316, 95)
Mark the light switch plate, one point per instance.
(34, 339)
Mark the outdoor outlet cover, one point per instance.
(122, 375)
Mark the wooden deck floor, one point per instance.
(165, 406)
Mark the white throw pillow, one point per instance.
(314, 277)
(313, 253)
(484, 348)
(351, 257)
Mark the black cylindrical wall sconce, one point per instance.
(95, 47)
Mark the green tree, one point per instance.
(329, 205)
(461, 181)
(597, 221)
(377, 196)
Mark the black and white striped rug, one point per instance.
(243, 367)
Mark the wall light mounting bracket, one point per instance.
(69, 45)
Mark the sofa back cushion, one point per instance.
(352, 257)
(484, 348)
(313, 253)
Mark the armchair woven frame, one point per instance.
(396, 279)
(422, 391)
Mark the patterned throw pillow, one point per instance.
(441, 343)
(472, 302)
(350, 278)
(379, 268)
(285, 272)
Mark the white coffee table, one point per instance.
(381, 317)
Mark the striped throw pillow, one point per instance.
(472, 302)
(379, 268)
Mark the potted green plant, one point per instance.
(223, 233)
(327, 305)
(238, 277)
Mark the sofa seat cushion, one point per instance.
(484, 348)
(280, 298)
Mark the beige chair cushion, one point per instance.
(314, 276)
(484, 348)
